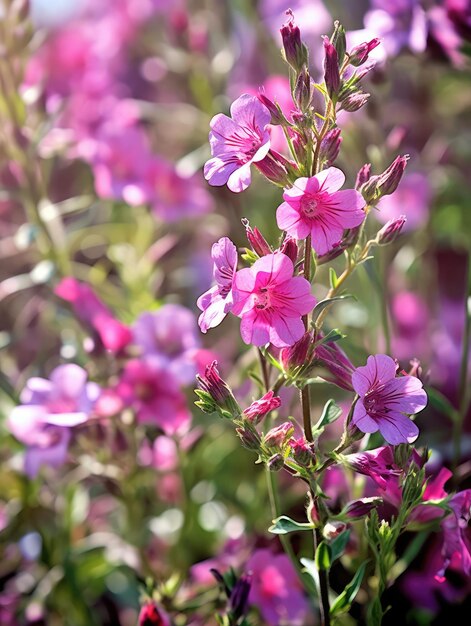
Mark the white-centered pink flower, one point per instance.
(237, 142)
(315, 206)
(271, 301)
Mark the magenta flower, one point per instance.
(386, 400)
(456, 551)
(378, 464)
(114, 335)
(148, 387)
(276, 589)
(217, 301)
(271, 301)
(237, 143)
(315, 206)
(49, 409)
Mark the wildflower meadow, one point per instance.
(235, 312)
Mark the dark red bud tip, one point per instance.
(151, 616)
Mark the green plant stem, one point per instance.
(324, 604)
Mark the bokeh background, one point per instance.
(104, 115)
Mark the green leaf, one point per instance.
(323, 556)
(339, 544)
(334, 281)
(320, 306)
(442, 404)
(345, 599)
(330, 413)
(333, 335)
(311, 569)
(283, 525)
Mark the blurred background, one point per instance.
(104, 117)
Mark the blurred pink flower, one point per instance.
(271, 301)
(314, 206)
(86, 305)
(165, 454)
(276, 589)
(385, 400)
(412, 198)
(217, 301)
(456, 549)
(49, 409)
(237, 143)
(147, 386)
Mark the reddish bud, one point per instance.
(295, 52)
(302, 90)
(331, 68)
(333, 529)
(338, 366)
(339, 41)
(354, 101)
(249, 436)
(220, 393)
(239, 598)
(359, 508)
(277, 117)
(260, 408)
(150, 615)
(302, 452)
(363, 175)
(258, 242)
(391, 230)
(296, 355)
(278, 436)
(330, 146)
(360, 53)
(289, 247)
(274, 169)
(387, 182)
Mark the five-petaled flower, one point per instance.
(315, 206)
(237, 143)
(385, 401)
(271, 301)
(217, 301)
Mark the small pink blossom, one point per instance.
(315, 206)
(217, 301)
(271, 301)
(237, 143)
(260, 408)
(456, 551)
(385, 401)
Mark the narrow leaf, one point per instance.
(283, 525)
(320, 306)
(323, 556)
(345, 599)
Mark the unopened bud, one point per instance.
(295, 52)
(331, 69)
(360, 53)
(151, 615)
(330, 146)
(274, 169)
(289, 247)
(359, 508)
(387, 182)
(391, 230)
(302, 90)
(333, 529)
(276, 462)
(239, 598)
(278, 436)
(258, 242)
(249, 436)
(258, 409)
(363, 175)
(302, 452)
(214, 388)
(296, 355)
(346, 242)
(354, 101)
(338, 40)
(277, 117)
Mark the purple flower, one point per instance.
(314, 206)
(456, 551)
(217, 301)
(49, 409)
(276, 589)
(171, 334)
(378, 464)
(271, 301)
(385, 400)
(237, 143)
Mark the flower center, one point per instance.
(374, 402)
(309, 205)
(262, 299)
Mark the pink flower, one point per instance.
(271, 301)
(259, 408)
(148, 387)
(276, 589)
(217, 301)
(456, 549)
(385, 400)
(49, 409)
(237, 143)
(378, 464)
(314, 206)
(114, 335)
(412, 198)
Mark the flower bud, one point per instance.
(289, 247)
(302, 452)
(391, 230)
(260, 408)
(359, 508)
(333, 529)
(256, 239)
(249, 436)
(274, 169)
(295, 52)
(214, 388)
(302, 90)
(151, 615)
(277, 117)
(354, 101)
(239, 598)
(276, 462)
(330, 146)
(296, 355)
(363, 175)
(387, 182)
(311, 511)
(331, 69)
(278, 436)
(339, 367)
(339, 40)
(360, 53)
